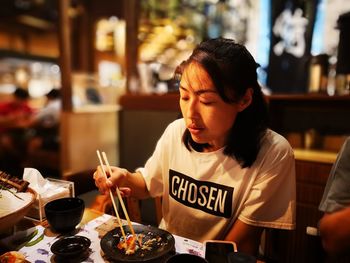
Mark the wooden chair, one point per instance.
(85, 188)
(138, 214)
(148, 212)
(83, 181)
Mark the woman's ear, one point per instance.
(246, 100)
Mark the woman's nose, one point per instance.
(192, 110)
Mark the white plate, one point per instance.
(13, 209)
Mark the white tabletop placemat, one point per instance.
(38, 248)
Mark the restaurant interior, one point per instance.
(113, 63)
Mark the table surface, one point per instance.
(92, 223)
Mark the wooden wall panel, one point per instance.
(83, 133)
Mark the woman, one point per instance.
(221, 173)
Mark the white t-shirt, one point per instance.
(204, 193)
(336, 194)
(50, 114)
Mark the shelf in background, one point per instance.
(315, 156)
(158, 102)
(308, 97)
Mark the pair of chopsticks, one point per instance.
(119, 197)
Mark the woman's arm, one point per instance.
(247, 237)
(335, 231)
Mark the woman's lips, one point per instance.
(194, 129)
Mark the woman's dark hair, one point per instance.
(232, 70)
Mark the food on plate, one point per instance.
(14, 206)
(12, 257)
(8, 181)
(11, 201)
(139, 242)
(12, 194)
(156, 243)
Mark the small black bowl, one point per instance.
(71, 247)
(64, 214)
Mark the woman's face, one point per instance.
(207, 116)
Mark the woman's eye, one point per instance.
(207, 102)
(185, 98)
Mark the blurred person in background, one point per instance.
(45, 124)
(49, 115)
(334, 226)
(16, 112)
(15, 115)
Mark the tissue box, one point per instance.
(64, 189)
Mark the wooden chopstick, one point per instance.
(112, 198)
(120, 198)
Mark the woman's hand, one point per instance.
(247, 237)
(116, 179)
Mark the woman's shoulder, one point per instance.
(177, 125)
(174, 130)
(275, 141)
(347, 143)
(275, 150)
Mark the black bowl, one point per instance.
(158, 253)
(64, 214)
(68, 247)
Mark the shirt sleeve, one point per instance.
(271, 201)
(336, 195)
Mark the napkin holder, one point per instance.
(37, 212)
